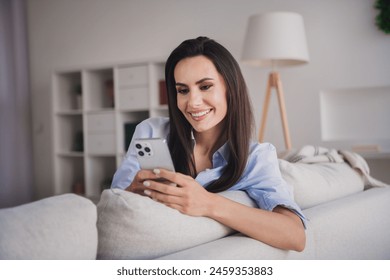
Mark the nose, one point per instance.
(195, 99)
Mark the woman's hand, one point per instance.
(137, 185)
(181, 192)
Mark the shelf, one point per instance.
(67, 90)
(161, 108)
(69, 112)
(70, 154)
(356, 115)
(100, 170)
(69, 173)
(357, 119)
(99, 88)
(69, 132)
(103, 110)
(95, 110)
(375, 155)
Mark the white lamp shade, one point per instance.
(275, 39)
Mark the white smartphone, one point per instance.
(153, 153)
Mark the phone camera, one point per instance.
(138, 146)
(141, 153)
(147, 149)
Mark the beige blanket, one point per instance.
(315, 154)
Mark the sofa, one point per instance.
(347, 219)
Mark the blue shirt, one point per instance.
(261, 179)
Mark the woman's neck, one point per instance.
(208, 142)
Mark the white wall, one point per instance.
(346, 50)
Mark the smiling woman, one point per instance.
(209, 133)
(204, 58)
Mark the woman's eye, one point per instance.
(182, 90)
(205, 87)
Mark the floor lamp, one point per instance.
(275, 39)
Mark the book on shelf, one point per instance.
(129, 128)
(78, 141)
(163, 92)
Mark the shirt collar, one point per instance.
(220, 157)
(222, 153)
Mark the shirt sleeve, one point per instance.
(155, 127)
(264, 182)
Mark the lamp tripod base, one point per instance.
(274, 81)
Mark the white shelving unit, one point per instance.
(91, 107)
(358, 119)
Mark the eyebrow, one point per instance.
(197, 83)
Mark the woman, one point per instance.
(209, 131)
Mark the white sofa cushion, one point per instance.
(320, 182)
(60, 227)
(132, 226)
(352, 228)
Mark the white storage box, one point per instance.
(134, 99)
(101, 143)
(101, 122)
(132, 76)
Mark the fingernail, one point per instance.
(147, 192)
(146, 183)
(156, 171)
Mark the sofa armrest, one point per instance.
(59, 227)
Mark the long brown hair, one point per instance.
(238, 121)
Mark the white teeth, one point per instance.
(200, 114)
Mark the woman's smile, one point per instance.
(200, 115)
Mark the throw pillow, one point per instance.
(132, 226)
(320, 182)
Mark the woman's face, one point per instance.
(201, 94)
